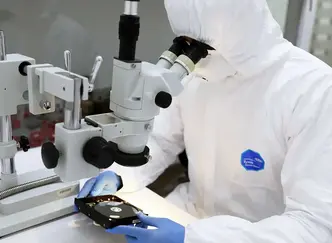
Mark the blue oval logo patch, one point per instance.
(252, 161)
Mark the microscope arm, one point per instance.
(139, 91)
(46, 82)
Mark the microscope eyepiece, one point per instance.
(192, 54)
(197, 51)
(179, 46)
(128, 34)
(167, 59)
(184, 52)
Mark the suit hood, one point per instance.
(242, 31)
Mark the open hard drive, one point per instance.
(108, 211)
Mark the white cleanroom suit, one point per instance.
(256, 121)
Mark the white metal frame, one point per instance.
(306, 26)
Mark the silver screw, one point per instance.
(25, 95)
(46, 105)
(91, 87)
(133, 65)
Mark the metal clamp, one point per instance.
(2, 46)
(95, 71)
(95, 68)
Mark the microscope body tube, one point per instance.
(72, 111)
(8, 164)
(180, 70)
(129, 26)
(167, 59)
(164, 63)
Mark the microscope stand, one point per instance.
(36, 206)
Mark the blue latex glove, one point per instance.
(105, 183)
(166, 231)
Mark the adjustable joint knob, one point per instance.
(163, 99)
(96, 153)
(50, 155)
(24, 143)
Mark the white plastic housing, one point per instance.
(71, 165)
(13, 85)
(135, 86)
(130, 136)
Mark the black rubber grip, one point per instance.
(129, 27)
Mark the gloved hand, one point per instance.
(167, 231)
(105, 183)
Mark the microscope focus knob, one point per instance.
(163, 99)
(96, 153)
(50, 155)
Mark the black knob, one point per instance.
(97, 153)
(24, 143)
(22, 68)
(50, 155)
(163, 99)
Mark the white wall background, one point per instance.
(45, 28)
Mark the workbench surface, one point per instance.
(77, 227)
